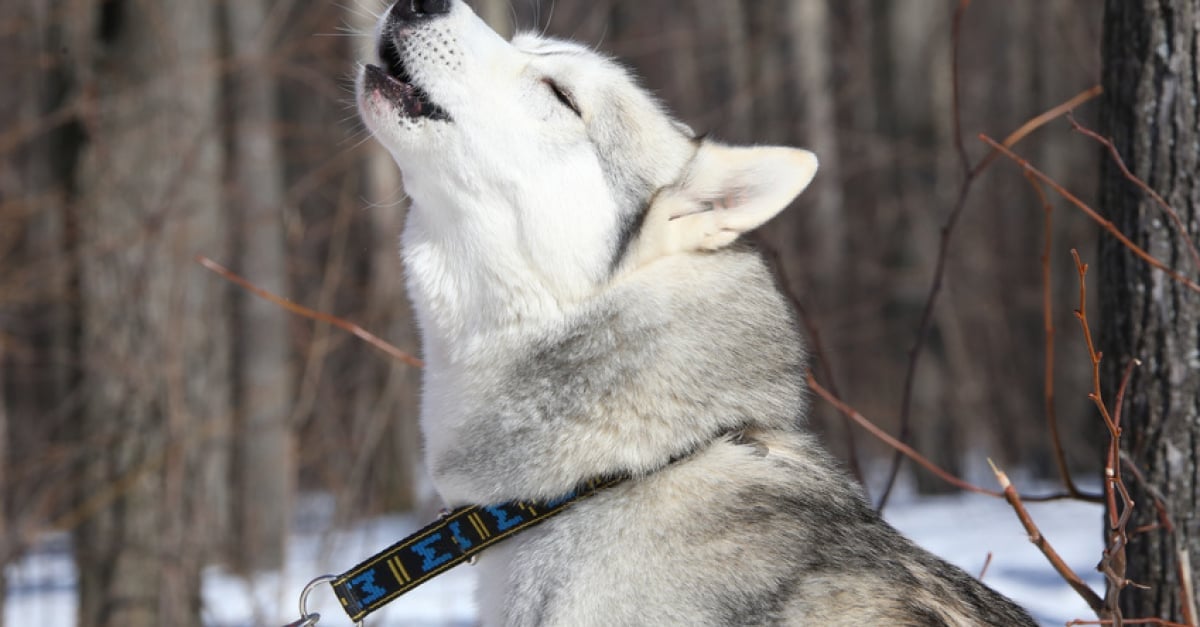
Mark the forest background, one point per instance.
(169, 419)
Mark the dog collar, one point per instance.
(456, 537)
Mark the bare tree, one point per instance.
(37, 297)
(387, 411)
(5, 541)
(498, 15)
(1151, 109)
(263, 455)
(808, 24)
(918, 122)
(155, 335)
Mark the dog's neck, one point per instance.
(479, 268)
(463, 295)
(510, 416)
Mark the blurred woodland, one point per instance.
(152, 408)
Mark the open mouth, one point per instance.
(396, 84)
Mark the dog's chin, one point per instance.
(384, 95)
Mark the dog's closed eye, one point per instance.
(563, 96)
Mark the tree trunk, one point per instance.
(6, 542)
(155, 339)
(37, 309)
(917, 120)
(727, 20)
(1150, 109)
(808, 26)
(388, 408)
(1065, 58)
(263, 454)
(498, 15)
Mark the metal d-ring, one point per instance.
(308, 619)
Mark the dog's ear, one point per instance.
(727, 191)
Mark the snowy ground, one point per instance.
(962, 529)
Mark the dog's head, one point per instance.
(541, 165)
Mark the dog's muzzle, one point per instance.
(391, 77)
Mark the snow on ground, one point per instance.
(962, 529)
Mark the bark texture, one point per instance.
(263, 453)
(1151, 110)
(6, 541)
(155, 343)
(387, 475)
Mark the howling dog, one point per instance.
(586, 311)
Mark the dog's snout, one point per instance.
(410, 10)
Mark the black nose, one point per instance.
(410, 10)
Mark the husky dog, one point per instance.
(586, 313)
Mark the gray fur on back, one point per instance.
(756, 526)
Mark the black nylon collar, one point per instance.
(458, 537)
(453, 539)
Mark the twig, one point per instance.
(1035, 536)
(1096, 394)
(1107, 225)
(911, 453)
(1039, 121)
(899, 446)
(1060, 456)
(969, 173)
(814, 334)
(914, 355)
(1158, 199)
(1119, 405)
(299, 310)
(956, 84)
(986, 563)
(1113, 563)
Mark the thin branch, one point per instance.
(914, 355)
(899, 446)
(1119, 405)
(912, 454)
(1035, 536)
(956, 84)
(299, 310)
(1096, 394)
(814, 334)
(1060, 456)
(1039, 121)
(1132, 178)
(1107, 225)
(986, 564)
(1113, 563)
(1114, 560)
